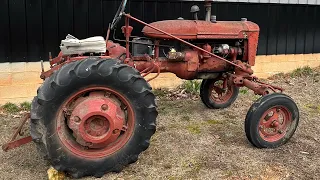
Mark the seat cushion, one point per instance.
(72, 45)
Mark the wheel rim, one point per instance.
(220, 91)
(274, 123)
(95, 122)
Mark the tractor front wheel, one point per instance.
(93, 116)
(271, 121)
(217, 93)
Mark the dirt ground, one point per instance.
(193, 142)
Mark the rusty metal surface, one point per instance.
(253, 38)
(192, 29)
(13, 143)
(181, 40)
(96, 121)
(274, 123)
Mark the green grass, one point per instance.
(244, 90)
(25, 106)
(304, 71)
(192, 86)
(256, 97)
(194, 129)
(10, 108)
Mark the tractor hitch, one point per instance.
(13, 143)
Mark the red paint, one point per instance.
(114, 50)
(98, 128)
(220, 91)
(16, 143)
(192, 29)
(13, 143)
(92, 124)
(274, 123)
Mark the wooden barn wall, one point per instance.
(29, 29)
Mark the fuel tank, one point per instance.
(196, 29)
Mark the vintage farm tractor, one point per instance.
(95, 111)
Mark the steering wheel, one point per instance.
(119, 14)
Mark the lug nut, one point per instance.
(77, 119)
(104, 107)
(116, 131)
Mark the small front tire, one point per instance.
(217, 93)
(271, 121)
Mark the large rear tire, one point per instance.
(93, 116)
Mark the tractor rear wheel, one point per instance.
(217, 93)
(271, 121)
(93, 116)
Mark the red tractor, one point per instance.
(95, 112)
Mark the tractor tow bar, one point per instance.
(13, 143)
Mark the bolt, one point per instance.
(261, 127)
(275, 124)
(280, 131)
(278, 109)
(116, 131)
(77, 119)
(104, 107)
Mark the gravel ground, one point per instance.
(193, 142)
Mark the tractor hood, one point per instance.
(192, 29)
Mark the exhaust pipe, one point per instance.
(208, 9)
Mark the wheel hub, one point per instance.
(274, 123)
(97, 120)
(220, 91)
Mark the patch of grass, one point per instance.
(194, 129)
(304, 71)
(10, 108)
(312, 107)
(192, 86)
(277, 76)
(213, 122)
(255, 97)
(25, 106)
(244, 90)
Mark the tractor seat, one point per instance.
(72, 45)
